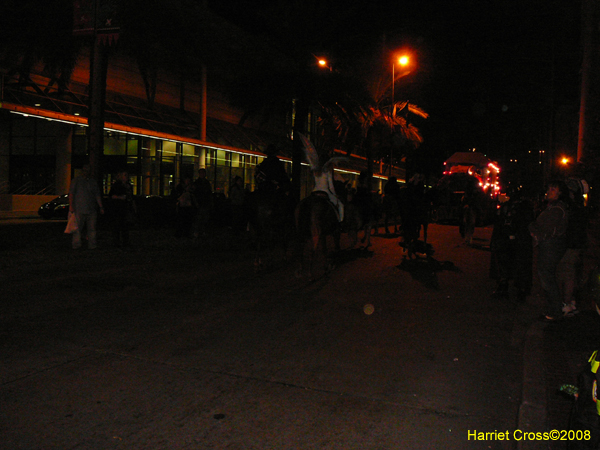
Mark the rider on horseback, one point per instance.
(323, 174)
(271, 176)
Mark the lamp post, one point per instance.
(403, 61)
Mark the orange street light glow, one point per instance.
(403, 60)
(565, 160)
(322, 62)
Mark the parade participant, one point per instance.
(323, 174)
(270, 173)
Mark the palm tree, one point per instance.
(366, 125)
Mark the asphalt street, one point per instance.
(170, 345)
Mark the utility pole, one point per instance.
(96, 19)
(588, 19)
(95, 136)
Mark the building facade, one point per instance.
(43, 133)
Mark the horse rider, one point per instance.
(271, 176)
(323, 174)
(324, 183)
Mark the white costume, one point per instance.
(324, 175)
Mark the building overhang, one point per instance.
(28, 111)
(77, 120)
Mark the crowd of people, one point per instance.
(557, 231)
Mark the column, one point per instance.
(64, 150)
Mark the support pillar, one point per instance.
(4, 157)
(147, 166)
(64, 152)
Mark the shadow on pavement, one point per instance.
(425, 270)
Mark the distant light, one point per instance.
(403, 60)
(322, 62)
(493, 166)
(565, 161)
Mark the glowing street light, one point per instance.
(403, 61)
(564, 161)
(323, 63)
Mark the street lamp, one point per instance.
(323, 63)
(403, 61)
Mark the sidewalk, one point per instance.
(18, 217)
(554, 354)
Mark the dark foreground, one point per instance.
(174, 346)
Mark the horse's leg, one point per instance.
(389, 215)
(328, 256)
(315, 234)
(257, 259)
(337, 235)
(353, 233)
(368, 228)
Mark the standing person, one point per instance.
(187, 208)
(571, 264)
(549, 233)
(469, 212)
(391, 195)
(202, 190)
(84, 201)
(237, 197)
(512, 247)
(122, 207)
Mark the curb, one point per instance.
(533, 408)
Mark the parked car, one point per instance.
(55, 209)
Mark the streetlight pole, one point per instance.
(403, 61)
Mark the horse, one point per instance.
(414, 211)
(391, 212)
(316, 219)
(270, 216)
(360, 215)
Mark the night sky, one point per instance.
(490, 73)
